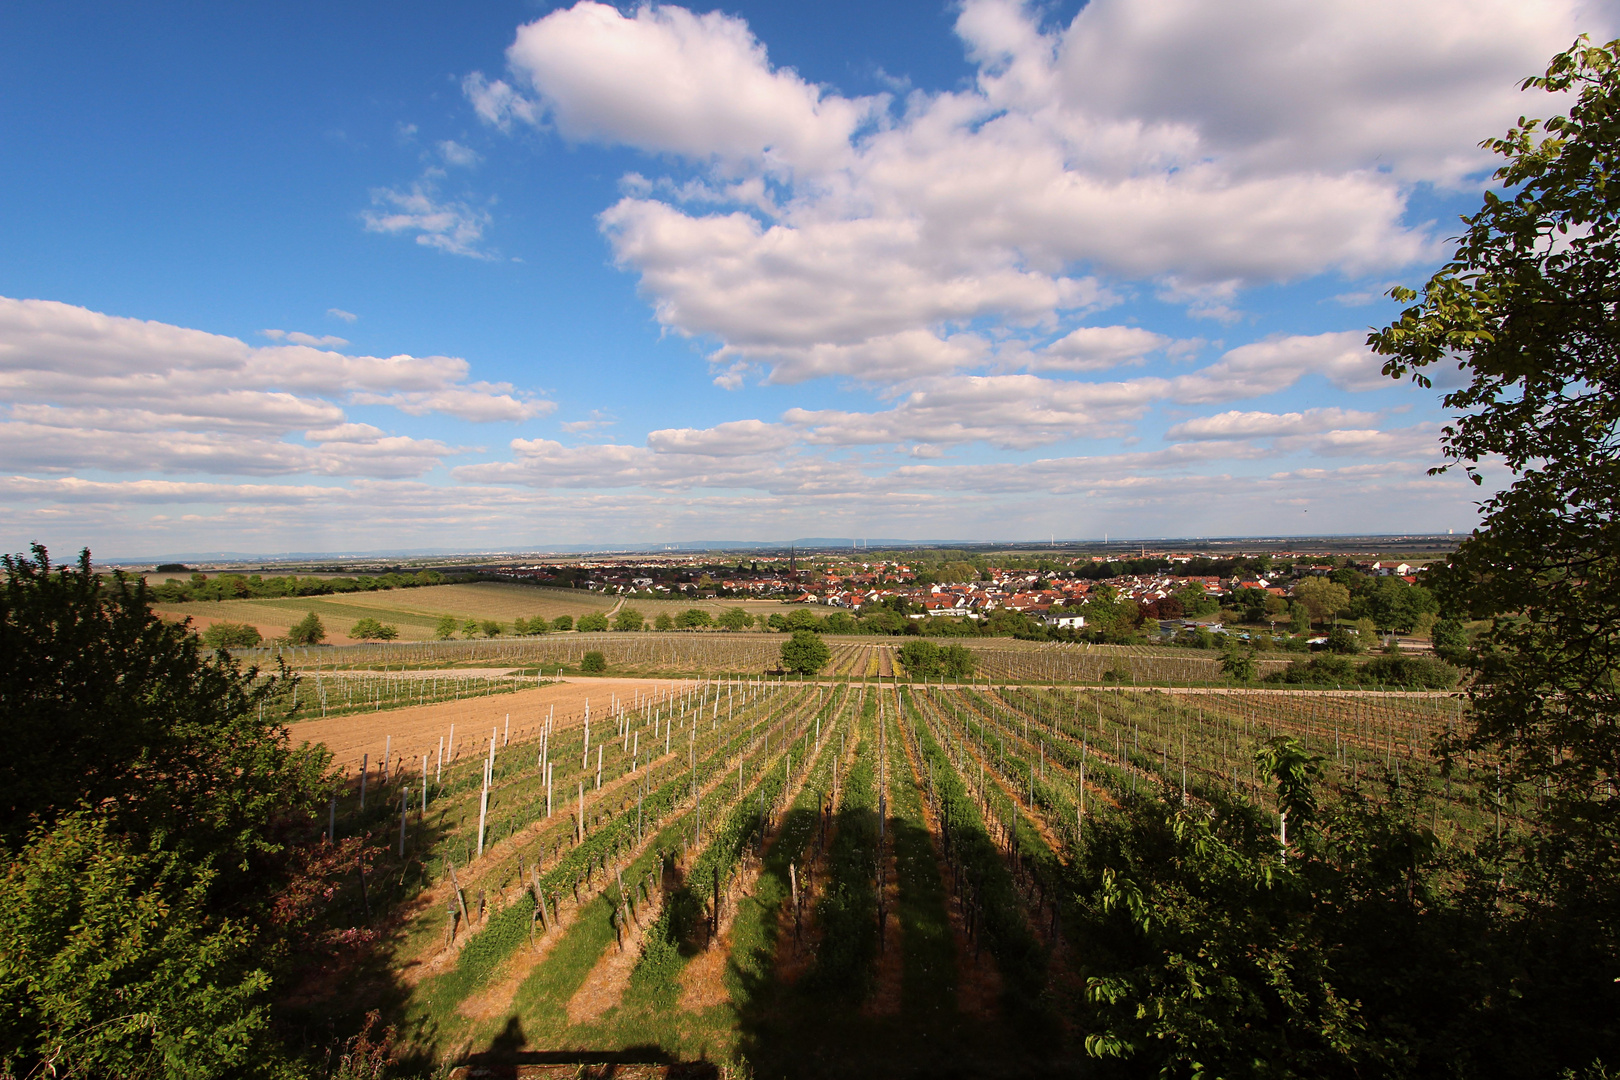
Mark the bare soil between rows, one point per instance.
(416, 729)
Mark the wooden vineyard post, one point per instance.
(365, 770)
(793, 881)
(581, 822)
(331, 820)
(360, 869)
(455, 888)
(404, 805)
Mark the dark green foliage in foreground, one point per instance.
(159, 844)
(593, 662)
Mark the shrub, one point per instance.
(307, 631)
(563, 622)
(594, 623)
(369, 629)
(229, 635)
(1325, 668)
(629, 619)
(594, 662)
(1424, 671)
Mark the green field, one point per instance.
(415, 611)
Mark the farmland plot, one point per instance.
(816, 878)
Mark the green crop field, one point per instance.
(415, 611)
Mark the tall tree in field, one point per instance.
(1528, 309)
(805, 652)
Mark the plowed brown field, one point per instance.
(416, 730)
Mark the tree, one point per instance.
(592, 623)
(1449, 640)
(920, 659)
(628, 618)
(151, 818)
(664, 622)
(693, 619)
(228, 635)
(307, 631)
(446, 628)
(1525, 308)
(802, 619)
(562, 622)
(805, 652)
(1322, 598)
(593, 662)
(880, 621)
(1239, 664)
(369, 629)
(469, 629)
(490, 627)
(736, 618)
(839, 622)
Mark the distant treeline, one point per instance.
(255, 587)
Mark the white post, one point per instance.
(598, 766)
(438, 774)
(424, 783)
(548, 789)
(506, 736)
(483, 811)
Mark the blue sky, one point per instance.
(353, 277)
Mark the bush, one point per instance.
(1325, 668)
(594, 623)
(1449, 639)
(1238, 664)
(307, 631)
(1342, 641)
(369, 629)
(736, 618)
(693, 619)
(563, 622)
(230, 635)
(664, 622)
(1424, 671)
(923, 659)
(629, 618)
(594, 662)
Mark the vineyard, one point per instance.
(748, 654)
(807, 876)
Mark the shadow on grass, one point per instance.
(821, 1026)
